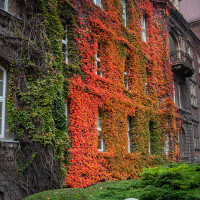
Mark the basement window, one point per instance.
(2, 100)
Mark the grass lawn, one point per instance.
(173, 182)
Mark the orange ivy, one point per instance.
(148, 100)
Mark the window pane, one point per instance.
(99, 123)
(1, 110)
(63, 48)
(1, 74)
(124, 11)
(99, 2)
(1, 88)
(99, 72)
(0, 126)
(2, 2)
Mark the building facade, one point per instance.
(184, 55)
(119, 77)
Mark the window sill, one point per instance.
(195, 107)
(8, 141)
(10, 14)
(197, 149)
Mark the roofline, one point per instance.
(179, 16)
(193, 22)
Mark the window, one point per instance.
(146, 88)
(2, 100)
(67, 113)
(174, 90)
(190, 53)
(101, 146)
(149, 138)
(126, 80)
(182, 143)
(98, 62)
(198, 61)
(65, 47)
(177, 94)
(130, 144)
(124, 12)
(193, 94)
(98, 3)
(167, 145)
(144, 29)
(196, 137)
(1, 196)
(4, 4)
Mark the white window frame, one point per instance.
(128, 133)
(98, 3)
(98, 60)
(5, 5)
(144, 28)
(65, 44)
(124, 15)
(2, 100)
(99, 129)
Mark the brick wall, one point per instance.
(196, 28)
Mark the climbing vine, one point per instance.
(36, 106)
(147, 102)
(42, 84)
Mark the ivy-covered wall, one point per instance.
(35, 102)
(42, 84)
(148, 101)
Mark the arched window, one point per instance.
(2, 100)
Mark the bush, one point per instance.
(170, 182)
(173, 181)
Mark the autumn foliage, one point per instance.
(148, 101)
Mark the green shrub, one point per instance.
(169, 182)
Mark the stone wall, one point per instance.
(8, 175)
